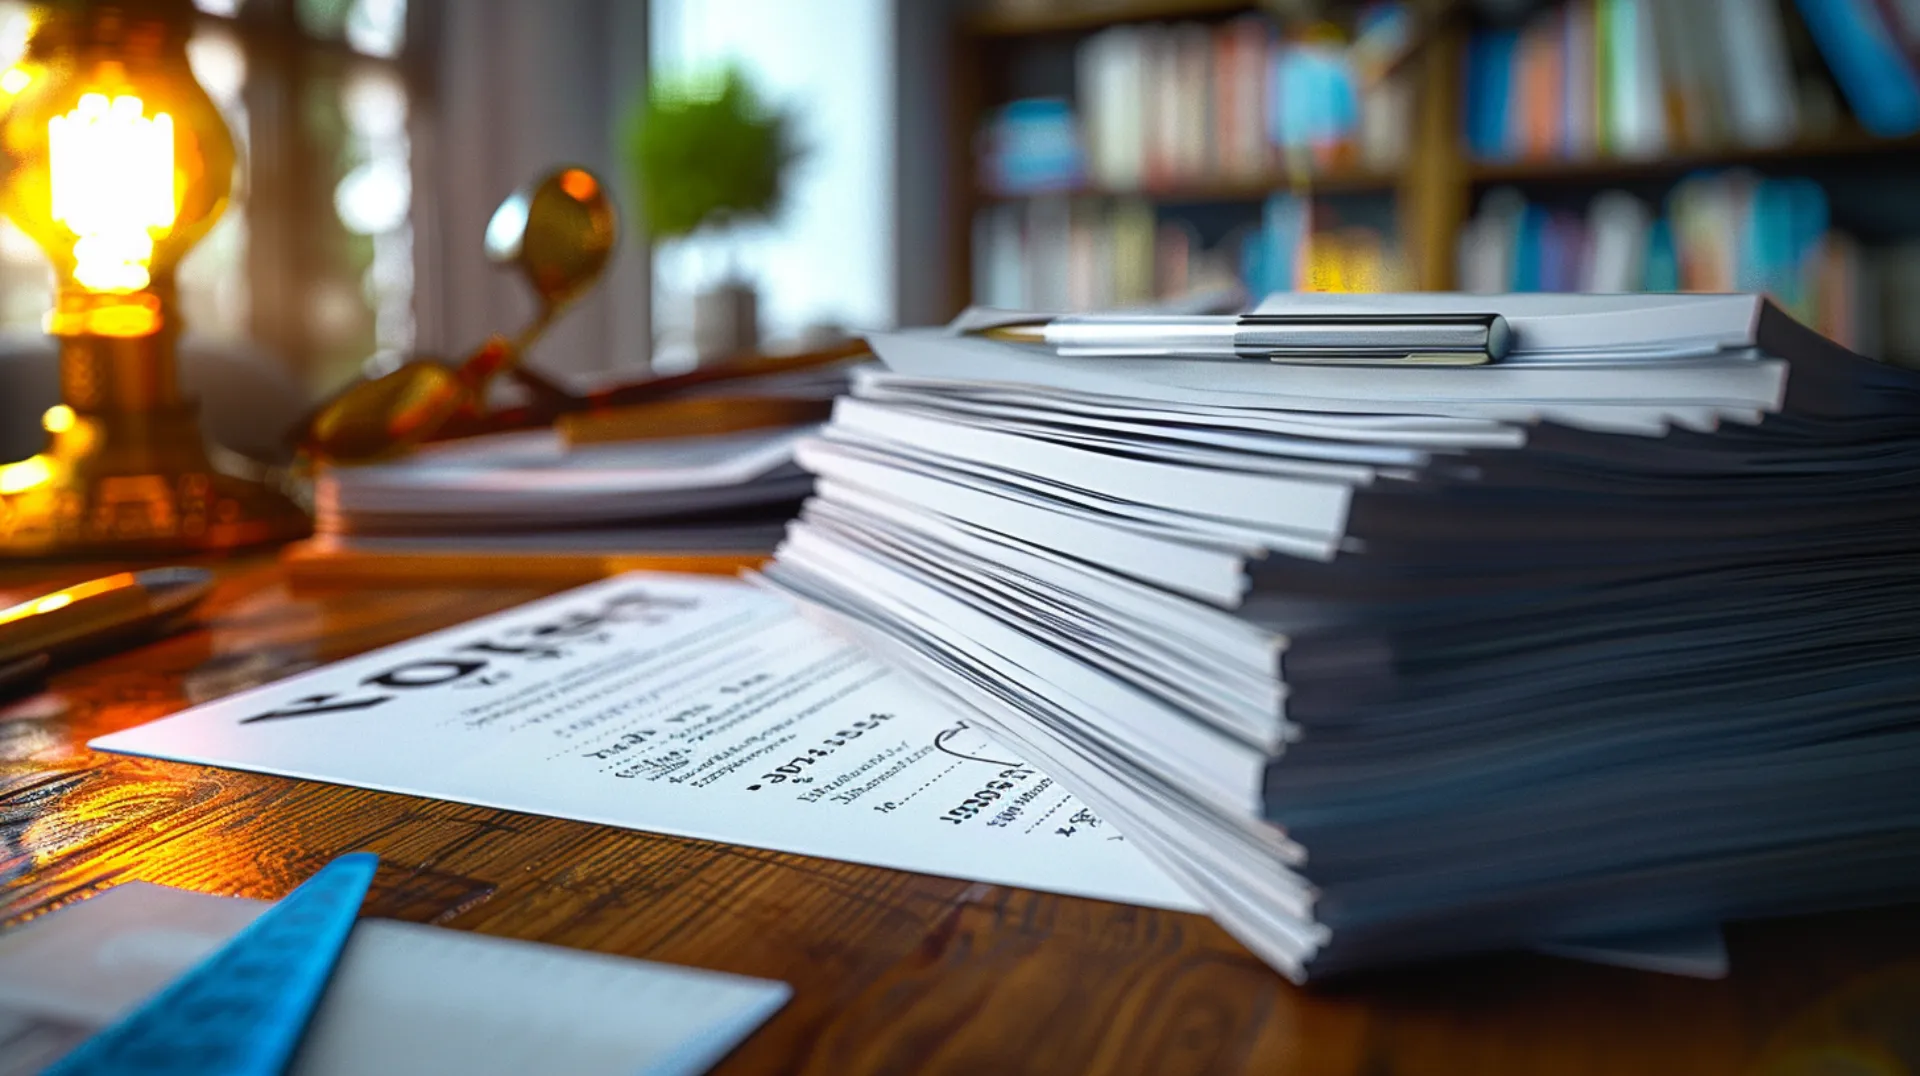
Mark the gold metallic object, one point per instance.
(118, 164)
(1017, 334)
(82, 616)
(559, 233)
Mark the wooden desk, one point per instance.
(893, 972)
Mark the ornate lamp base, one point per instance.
(133, 486)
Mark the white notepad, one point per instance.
(405, 997)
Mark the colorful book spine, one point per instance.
(1636, 78)
(1542, 77)
(1729, 231)
(1663, 262)
(1160, 112)
(1576, 93)
(1489, 83)
(1881, 87)
(1605, 26)
(1167, 106)
(1759, 81)
(1635, 113)
(1240, 48)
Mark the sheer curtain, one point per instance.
(514, 88)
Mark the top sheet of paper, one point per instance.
(1505, 391)
(676, 704)
(1554, 321)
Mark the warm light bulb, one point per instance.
(117, 163)
(26, 474)
(120, 163)
(112, 174)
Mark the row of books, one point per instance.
(1720, 232)
(1612, 641)
(1099, 254)
(1308, 244)
(1075, 254)
(1634, 78)
(1715, 233)
(1159, 106)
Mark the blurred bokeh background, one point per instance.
(1035, 153)
(1499, 145)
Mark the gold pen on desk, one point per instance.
(94, 612)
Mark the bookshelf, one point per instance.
(1429, 196)
(1249, 189)
(1433, 191)
(1032, 20)
(1601, 170)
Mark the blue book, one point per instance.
(1663, 262)
(1035, 147)
(1489, 79)
(1807, 220)
(1764, 241)
(1807, 207)
(1284, 228)
(1865, 59)
(1528, 249)
(1253, 263)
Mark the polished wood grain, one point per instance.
(892, 972)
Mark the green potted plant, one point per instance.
(707, 154)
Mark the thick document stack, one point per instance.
(1618, 634)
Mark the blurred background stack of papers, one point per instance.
(702, 479)
(1614, 636)
(534, 481)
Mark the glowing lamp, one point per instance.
(118, 163)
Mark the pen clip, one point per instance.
(1355, 358)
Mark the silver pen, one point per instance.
(1326, 339)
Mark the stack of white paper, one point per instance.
(533, 481)
(1384, 664)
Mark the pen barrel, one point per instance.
(1142, 336)
(84, 618)
(1279, 337)
(1457, 339)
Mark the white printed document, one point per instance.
(675, 704)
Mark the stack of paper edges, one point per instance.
(1619, 634)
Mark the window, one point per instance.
(827, 259)
(313, 260)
